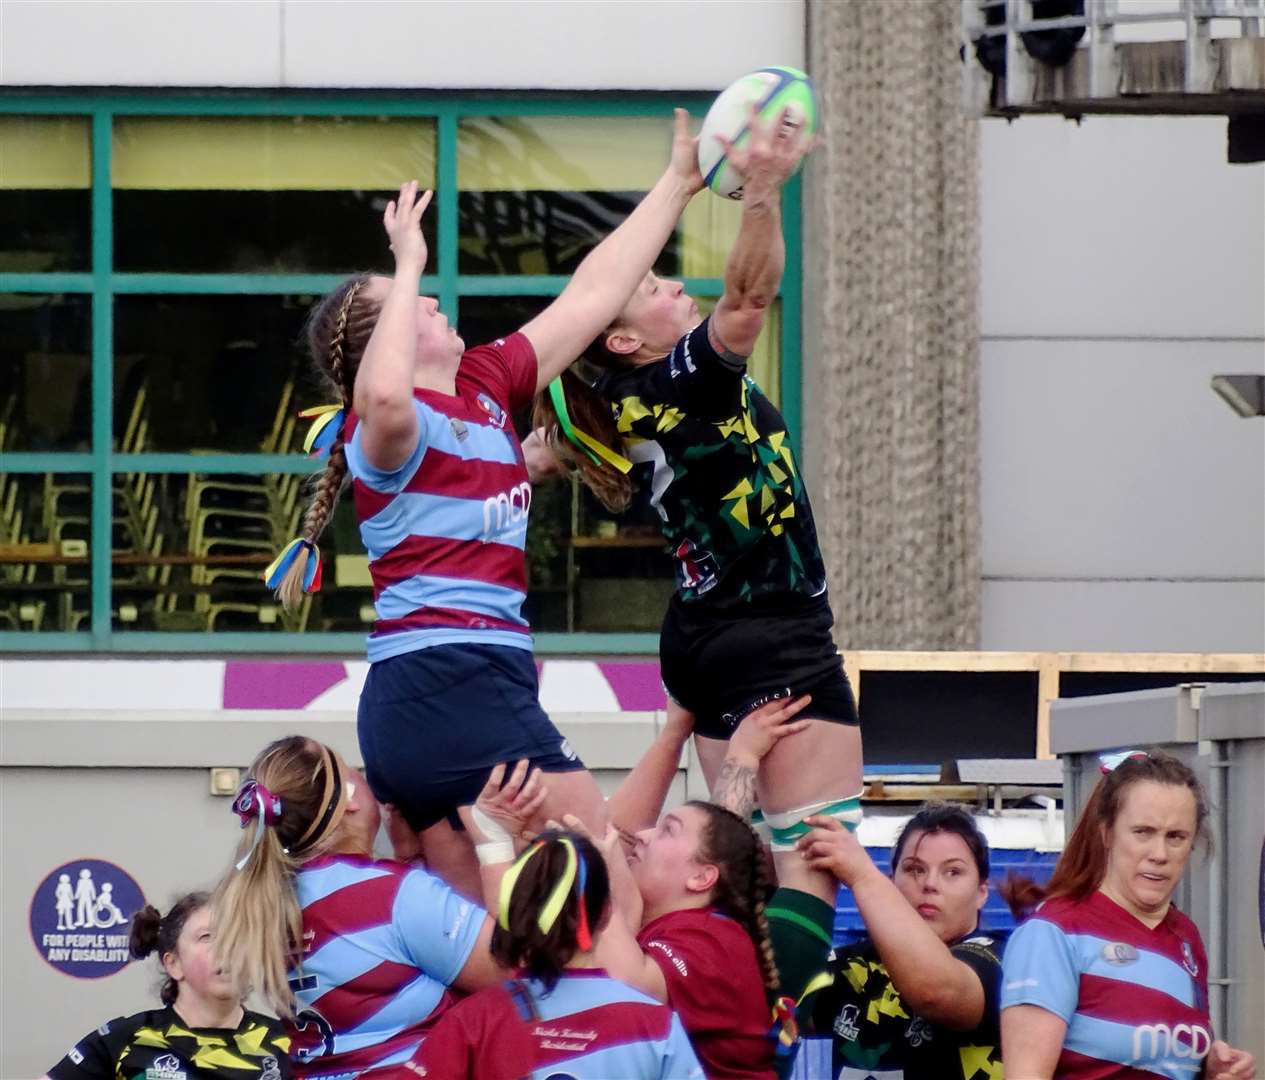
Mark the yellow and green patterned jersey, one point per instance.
(159, 1045)
(725, 481)
(875, 1034)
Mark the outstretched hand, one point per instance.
(402, 220)
(772, 152)
(685, 152)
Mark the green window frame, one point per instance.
(103, 284)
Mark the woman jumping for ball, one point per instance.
(442, 497)
(750, 620)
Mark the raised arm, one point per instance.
(383, 397)
(758, 257)
(931, 981)
(638, 801)
(604, 281)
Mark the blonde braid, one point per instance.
(329, 484)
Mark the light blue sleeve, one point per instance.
(1040, 967)
(437, 928)
(679, 1060)
(389, 483)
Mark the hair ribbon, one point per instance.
(1109, 763)
(277, 569)
(327, 426)
(557, 899)
(597, 451)
(255, 802)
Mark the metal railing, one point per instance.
(1099, 21)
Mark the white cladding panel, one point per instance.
(1124, 616)
(1116, 459)
(434, 44)
(1119, 226)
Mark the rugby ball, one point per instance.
(771, 90)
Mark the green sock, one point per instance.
(801, 927)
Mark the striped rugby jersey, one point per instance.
(1135, 999)
(382, 942)
(446, 531)
(589, 1027)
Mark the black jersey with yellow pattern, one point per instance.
(159, 1045)
(725, 482)
(873, 1033)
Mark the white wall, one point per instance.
(1123, 265)
(445, 44)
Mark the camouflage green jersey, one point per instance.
(725, 482)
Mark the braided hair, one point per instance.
(745, 884)
(337, 332)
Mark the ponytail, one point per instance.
(553, 901)
(290, 806)
(338, 331)
(591, 412)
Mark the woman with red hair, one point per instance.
(1107, 979)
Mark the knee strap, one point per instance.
(761, 827)
(789, 826)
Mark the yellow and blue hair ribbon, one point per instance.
(277, 569)
(327, 425)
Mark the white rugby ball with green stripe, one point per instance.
(771, 90)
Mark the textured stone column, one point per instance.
(891, 368)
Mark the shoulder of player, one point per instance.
(255, 1019)
(979, 946)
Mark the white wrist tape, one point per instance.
(498, 846)
(499, 851)
(489, 827)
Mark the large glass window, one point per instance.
(45, 372)
(202, 194)
(45, 194)
(45, 552)
(158, 259)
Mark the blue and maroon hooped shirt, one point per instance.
(1135, 998)
(446, 531)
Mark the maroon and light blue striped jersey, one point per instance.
(446, 531)
(1135, 999)
(382, 942)
(589, 1027)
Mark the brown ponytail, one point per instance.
(590, 411)
(1083, 864)
(745, 884)
(337, 332)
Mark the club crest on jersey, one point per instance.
(846, 1026)
(1188, 959)
(1119, 953)
(166, 1067)
(494, 411)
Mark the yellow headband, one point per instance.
(557, 897)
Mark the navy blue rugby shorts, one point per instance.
(432, 723)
